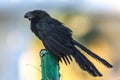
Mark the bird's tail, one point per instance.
(85, 64)
(103, 61)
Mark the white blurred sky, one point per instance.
(90, 5)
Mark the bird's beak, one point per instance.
(28, 15)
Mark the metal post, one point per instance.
(49, 66)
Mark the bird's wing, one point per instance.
(56, 38)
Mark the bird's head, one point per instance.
(35, 14)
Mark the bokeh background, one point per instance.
(95, 23)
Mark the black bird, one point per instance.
(58, 40)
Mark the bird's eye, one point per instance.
(33, 13)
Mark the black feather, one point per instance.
(58, 40)
(93, 55)
(85, 63)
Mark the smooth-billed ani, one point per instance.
(58, 40)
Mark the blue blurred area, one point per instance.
(15, 34)
(14, 39)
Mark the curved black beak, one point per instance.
(29, 15)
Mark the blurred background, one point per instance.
(95, 23)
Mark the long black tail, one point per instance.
(85, 64)
(93, 55)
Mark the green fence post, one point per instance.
(49, 66)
